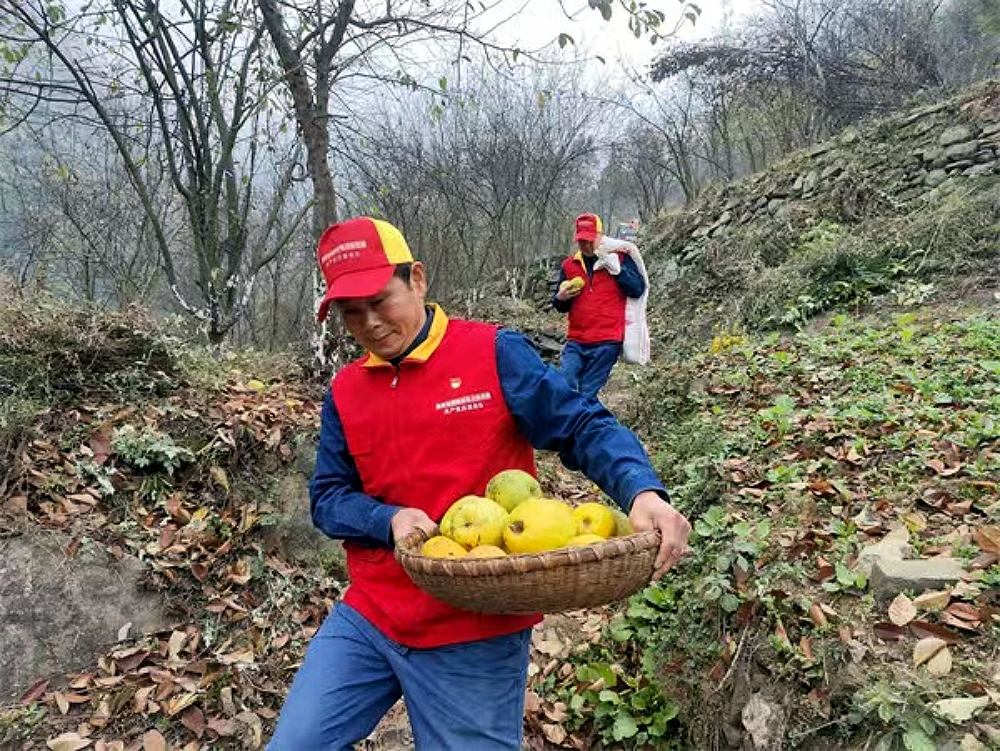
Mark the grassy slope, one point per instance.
(791, 453)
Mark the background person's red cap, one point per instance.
(588, 227)
(358, 258)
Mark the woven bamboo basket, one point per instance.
(549, 582)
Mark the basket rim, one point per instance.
(520, 563)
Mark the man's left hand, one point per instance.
(649, 512)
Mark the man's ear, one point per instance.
(418, 277)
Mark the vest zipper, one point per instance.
(395, 378)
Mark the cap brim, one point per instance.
(588, 235)
(358, 284)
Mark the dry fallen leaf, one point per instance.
(176, 643)
(554, 733)
(61, 702)
(960, 709)
(926, 648)
(888, 631)
(68, 742)
(901, 610)
(988, 537)
(817, 615)
(932, 601)
(252, 731)
(153, 740)
(940, 663)
(925, 628)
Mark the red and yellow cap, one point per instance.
(588, 227)
(358, 258)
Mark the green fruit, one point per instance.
(623, 527)
(512, 487)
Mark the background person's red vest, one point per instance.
(441, 431)
(598, 312)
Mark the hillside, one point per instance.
(814, 464)
(823, 405)
(907, 206)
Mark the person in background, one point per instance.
(430, 413)
(594, 286)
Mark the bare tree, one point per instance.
(486, 185)
(196, 78)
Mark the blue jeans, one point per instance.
(461, 697)
(586, 367)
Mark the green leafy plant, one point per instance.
(627, 711)
(149, 448)
(903, 711)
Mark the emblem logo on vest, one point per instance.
(466, 403)
(455, 382)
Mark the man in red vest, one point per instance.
(593, 288)
(433, 410)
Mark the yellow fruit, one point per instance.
(581, 540)
(473, 520)
(539, 524)
(623, 527)
(594, 519)
(487, 551)
(573, 284)
(511, 487)
(440, 546)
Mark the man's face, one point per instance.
(386, 323)
(586, 246)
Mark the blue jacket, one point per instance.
(548, 412)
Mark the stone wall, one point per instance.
(898, 162)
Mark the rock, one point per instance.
(890, 577)
(291, 534)
(810, 182)
(60, 614)
(962, 150)
(895, 546)
(931, 155)
(959, 166)
(764, 721)
(849, 136)
(830, 171)
(955, 134)
(924, 112)
(935, 178)
(821, 148)
(910, 193)
(979, 170)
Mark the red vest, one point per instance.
(598, 313)
(423, 437)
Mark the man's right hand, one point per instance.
(566, 292)
(406, 521)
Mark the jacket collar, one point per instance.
(422, 351)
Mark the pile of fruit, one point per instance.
(514, 517)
